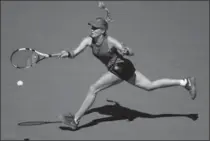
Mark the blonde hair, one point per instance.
(102, 6)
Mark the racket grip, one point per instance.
(55, 55)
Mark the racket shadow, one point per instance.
(36, 123)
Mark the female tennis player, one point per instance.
(112, 54)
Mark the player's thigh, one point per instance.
(139, 80)
(106, 80)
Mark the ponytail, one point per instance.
(102, 6)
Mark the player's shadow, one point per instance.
(117, 112)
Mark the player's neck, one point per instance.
(99, 39)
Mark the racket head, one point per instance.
(23, 58)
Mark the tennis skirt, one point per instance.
(124, 69)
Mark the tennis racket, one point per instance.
(23, 58)
(33, 123)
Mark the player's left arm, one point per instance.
(125, 50)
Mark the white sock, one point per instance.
(183, 82)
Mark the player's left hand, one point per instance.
(127, 51)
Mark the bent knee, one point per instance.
(93, 90)
(148, 86)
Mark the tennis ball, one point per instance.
(20, 83)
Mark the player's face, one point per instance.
(95, 32)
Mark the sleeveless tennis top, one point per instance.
(107, 55)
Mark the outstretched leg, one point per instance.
(106, 81)
(143, 82)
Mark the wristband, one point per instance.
(70, 54)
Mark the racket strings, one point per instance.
(24, 58)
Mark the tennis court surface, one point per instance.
(170, 40)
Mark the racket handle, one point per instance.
(55, 55)
(61, 53)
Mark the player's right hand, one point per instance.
(64, 54)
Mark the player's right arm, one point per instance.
(82, 46)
